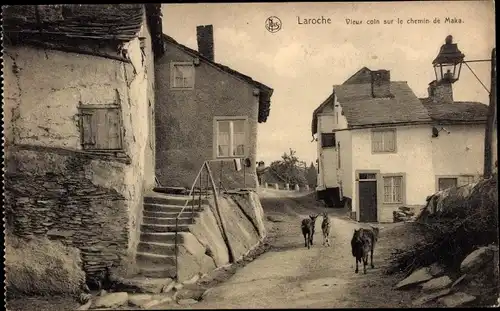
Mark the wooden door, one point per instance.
(367, 201)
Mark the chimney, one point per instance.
(205, 38)
(441, 93)
(381, 83)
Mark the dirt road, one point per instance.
(291, 276)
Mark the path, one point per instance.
(292, 276)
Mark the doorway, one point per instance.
(367, 197)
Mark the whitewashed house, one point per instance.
(380, 147)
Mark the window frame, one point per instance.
(172, 75)
(334, 146)
(394, 131)
(403, 188)
(82, 112)
(457, 177)
(216, 121)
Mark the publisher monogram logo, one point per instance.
(273, 24)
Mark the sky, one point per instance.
(302, 62)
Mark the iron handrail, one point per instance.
(191, 197)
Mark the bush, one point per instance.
(451, 234)
(41, 267)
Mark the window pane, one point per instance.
(183, 75)
(223, 127)
(398, 189)
(223, 150)
(239, 126)
(239, 144)
(445, 183)
(377, 141)
(389, 141)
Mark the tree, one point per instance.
(312, 175)
(290, 169)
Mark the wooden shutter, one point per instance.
(88, 138)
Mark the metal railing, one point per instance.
(201, 191)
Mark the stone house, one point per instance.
(79, 124)
(206, 111)
(380, 147)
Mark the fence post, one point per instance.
(287, 186)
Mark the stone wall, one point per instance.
(52, 193)
(185, 121)
(205, 247)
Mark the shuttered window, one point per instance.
(384, 140)
(100, 128)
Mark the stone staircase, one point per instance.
(156, 250)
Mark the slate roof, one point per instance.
(458, 112)
(64, 26)
(362, 110)
(265, 91)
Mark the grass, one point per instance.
(40, 267)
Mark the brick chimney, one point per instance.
(205, 38)
(441, 93)
(381, 83)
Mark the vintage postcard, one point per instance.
(250, 155)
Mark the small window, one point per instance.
(384, 141)
(366, 176)
(328, 140)
(100, 128)
(448, 182)
(393, 189)
(231, 138)
(465, 180)
(182, 76)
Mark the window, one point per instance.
(465, 180)
(366, 176)
(100, 127)
(182, 76)
(231, 137)
(384, 140)
(447, 182)
(393, 189)
(328, 140)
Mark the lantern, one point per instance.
(448, 63)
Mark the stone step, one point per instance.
(163, 228)
(185, 214)
(174, 200)
(167, 221)
(155, 259)
(156, 248)
(161, 237)
(163, 208)
(172, 190)
(156, 271)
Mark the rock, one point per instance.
(139, 300)
(144, 285)
(187, 301)
(168, 288)
(419, 276)
(437, 283)
(456, 299)
(192, 280)
(430, 297)
(195, 293)
(85, 306)
(436, 269)
(478, 258)
(156, 301)
(102, 292)
(457, 281)
(178, 287)
(112, 300)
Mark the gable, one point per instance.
(364, 75)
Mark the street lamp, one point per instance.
(448, 63)
(447, 67)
